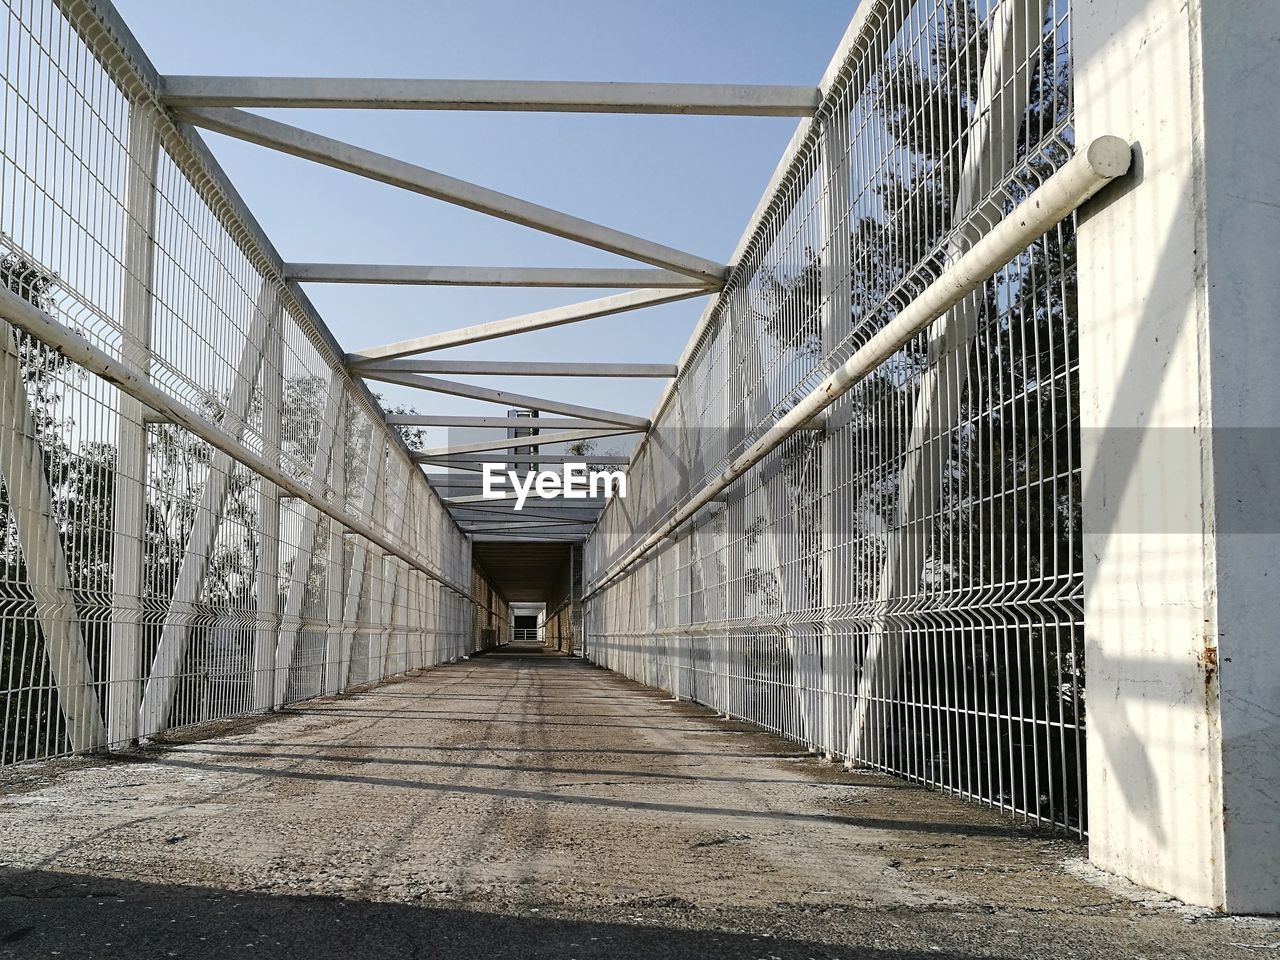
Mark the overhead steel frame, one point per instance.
(701, 99)
(207, 102)
(541, 320)
(440, 276)
(690, 276)
(1211, 51)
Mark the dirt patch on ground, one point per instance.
(578, 812)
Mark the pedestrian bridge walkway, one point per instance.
(524, 804)
(965, 479)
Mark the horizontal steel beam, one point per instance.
(553, 506)
(540, 320)
(523, 368)
(558, 526)
(429, 183)
(1092, 168)
(521, 530)
(466, 461)
(533, 498)
(453, 388)
(482, 513)
(518, 532)
(525, 517)
(96, 360)
(496, 423)
(542, 96)
(588, 277)
(511, 443)
(530, 538)
(472, 481)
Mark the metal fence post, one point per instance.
(267, 586)
(835, 321)
(334, 580)
(124, 676)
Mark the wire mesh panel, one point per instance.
(148, 580)
(900, 587)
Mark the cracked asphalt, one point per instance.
(525, 805)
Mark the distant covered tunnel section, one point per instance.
(529, 574)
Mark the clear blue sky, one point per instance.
(689, 182)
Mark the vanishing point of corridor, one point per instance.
(526, 804)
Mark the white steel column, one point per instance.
(836, 320)
(1179, 410)
(267, 585)
(373, 485)
(333, 648)
(124, 671)
(395, 487)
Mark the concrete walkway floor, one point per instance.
(526, 805)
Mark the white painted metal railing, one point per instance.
(900, 587)
(203, 514)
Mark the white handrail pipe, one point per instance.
(1091, 169)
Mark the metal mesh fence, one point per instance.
(901, 587)
(147, 580)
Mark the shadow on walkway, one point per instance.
(49, 914)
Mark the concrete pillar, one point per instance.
(1180, 399)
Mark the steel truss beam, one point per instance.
(532, 535)
(540, 320)
(467, 462)
(533, 498)
(509, 443)
(441, 276)
(467, 482)
(416, 179)
(539, 538)
(483, 515)
(524, 368)
(499, 510)
(503, 397)
(519, 522)
(496, 423)
(543, 96)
